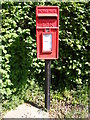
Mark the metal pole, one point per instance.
(47, 83)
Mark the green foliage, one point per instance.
(22, 74)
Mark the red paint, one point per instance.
(47, 22)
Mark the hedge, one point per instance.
(23, 75)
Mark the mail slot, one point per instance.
(47, 32)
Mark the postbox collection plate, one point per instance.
(47, 42)
(47, 32)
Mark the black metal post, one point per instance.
(47, 83)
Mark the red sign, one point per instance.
(47, 32)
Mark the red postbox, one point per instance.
(47, 32)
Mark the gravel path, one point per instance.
(26, 111)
